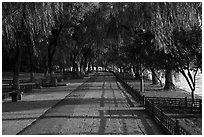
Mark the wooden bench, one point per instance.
(15, 95)
(24, 88)
(46, 82)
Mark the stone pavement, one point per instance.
(18, 115)
(98, 106)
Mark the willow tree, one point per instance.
(68, 15)
(187, 54)
(21, 21)
(127, 21)
(183, 46)
(14, 34)
(169, 16)
(14, 23)
(94, 36)
(161, 19)
(38, 19)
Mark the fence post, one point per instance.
(200, 104)
(176, 128)
(186, 104)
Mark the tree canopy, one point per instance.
(154, 34)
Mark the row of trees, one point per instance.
(160, 36)
(41, 28)
(155, 36)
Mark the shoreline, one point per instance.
(158, 91)
(188, 92)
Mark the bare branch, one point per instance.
(195, 76)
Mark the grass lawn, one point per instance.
(158, 91)
(191, 122)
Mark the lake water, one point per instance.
(181, 83)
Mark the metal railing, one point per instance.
(168, 123)
(153, 105)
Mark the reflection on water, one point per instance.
(181, 83)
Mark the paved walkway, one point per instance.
(98, 106)
(18, 115)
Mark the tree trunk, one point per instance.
(81, 65)
(16, 84)
(192, 94)
(50, 57)
(89, 66)
(75, 66)
(136, 71)
(92, 67)
(190, 80)
(53, 79)
(32, 74)
(51, 50)
(85, 65)
(45, 65)
(19, 36)
(106, 66)
(154, 77)
(169, 79)
(141, 79)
